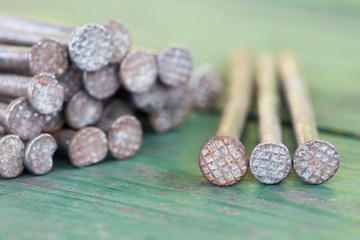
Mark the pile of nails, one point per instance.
(83, 90)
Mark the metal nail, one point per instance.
(43, 91)
(270, 161)
(39, 153)
(46, 55)
(138, 71)
(21, 119)
(71, 81)
(11, 157)
(102, 83)
(222, 159)
(315, 161)
(85, 147)
(82, 110)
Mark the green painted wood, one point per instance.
(160, 193)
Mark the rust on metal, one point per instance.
(175, 64)
(45, 93)
(39, 153)
(54, 122)
(21, 119)
(11, 156)
(205, 85)
(112, 111)
(125, 137)
(270, 161)
(102, 83)
(222, 159)
(90, 47)
(85, 147)
(71, 81)
(45, 55)
(121, 37)
(152, 100)
(82, 110)
(138, 71)
(315, 161)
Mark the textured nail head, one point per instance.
(223, 160)
(38, 154)
(175, 65)
(206, 86)
(11, 156)
(83, 110)
(125, 137)
(316, 161)
(22, 120)
(48, 56)
(270, 162)
(45, 93)
(121, 38)
(103, 83)
(88, 146)
(91, 47)
(138, 71)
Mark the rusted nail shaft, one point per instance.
(298, 100)
(270, 161)
(239, 95)
(222, 159)
(315, 161)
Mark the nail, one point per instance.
(91, 47)
(71, 81)
(43, 91)
(85, 147)
(12, 157)
(124, 131)
(82, 110)
(151, 100)
(2, 131)
(102, 83)
(174, 64)
(54, 122)
(315, 161)
(39, 153)
(45, 55)
(270, 161)
(138, 71)
(205, 84)
(21, 119)
(222, 159)
(121, 37)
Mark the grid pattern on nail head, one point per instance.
(316, 161)
(270, 163)
(175, 66)
(223, 160)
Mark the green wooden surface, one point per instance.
(160, 193)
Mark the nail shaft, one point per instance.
(315, 161)
(270, 161)
(222, 159)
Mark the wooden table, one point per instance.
(160, 193)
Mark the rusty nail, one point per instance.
(151, 100)
(39, 152)
(82, 110)
(121, 37)
(90, 47)
(85, 147)
(138, 71)
(205, 85)
(270, 161)
(43, 91)
(54, 122)
(315, 161)
(102, 83)
(175, 64)
(222, 159)
(21, 119)
(45, 55)
(71, 81)
(11, 157)
(112, 111)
